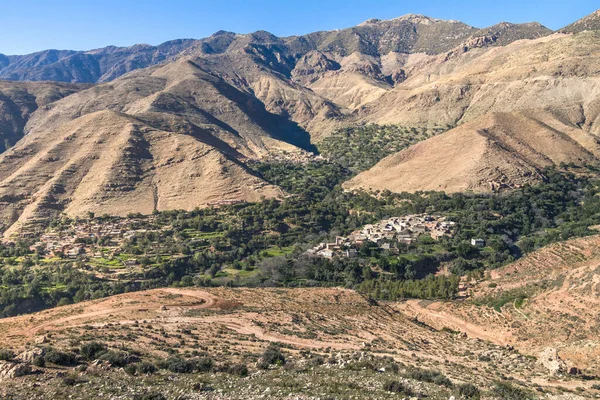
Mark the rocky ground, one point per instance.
(334, 344)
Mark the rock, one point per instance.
(40, 339)
(10, 370)
(100, 365)
(549, 358)
(29, 355)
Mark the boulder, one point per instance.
(40, 339)
(10, 370)
(550, 359)
(29, 355)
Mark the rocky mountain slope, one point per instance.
(494, 152)
(170, 137)
(99, 65)
(19, 100)
(504, 100)
(588, 23)
(407, 35)
(178, 134)
(334, 336)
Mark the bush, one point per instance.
(398, 387)
(130, 369)
(506, 391)
(146, 367)
(91, 351)
(143, 368)
(115, 358)
(179, 365)
(468, 391)
(6, 354)
(149, 396)
(204, 364)
(238, 369)
(271, 356)
(39, 361)
(71, 380)
(60, 357)
(424, 375)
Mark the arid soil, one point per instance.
(233, 323)
(560, 286)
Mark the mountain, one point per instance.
(19, 100)
(408, 34)
(199, 110)
(519, 107)
(87, 66)
(588, 23)
(167, 137)
(494, 152)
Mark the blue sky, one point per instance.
(31, 25)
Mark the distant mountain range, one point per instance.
(408, 34)
(146, 128)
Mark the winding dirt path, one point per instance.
(442, 319)
(203, 300)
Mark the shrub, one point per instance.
(6, 354)
(71, 380)
(238, 369)
(468, 391)
(149, 396)
(204, 364)
(179, 365)
(143, 367)
(59, 357)
(398, 387)
(425, 375)
(39, 361)
(90, 351)
(116, 358)
(316, 361)
(130, 369)
(146, 367)
(271, 356)
(506, 391)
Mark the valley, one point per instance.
(406, 208)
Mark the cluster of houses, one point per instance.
(81, 238)
(296, 156)
(404, 230)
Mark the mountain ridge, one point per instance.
(409, 33)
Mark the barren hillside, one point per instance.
(236, 325)
(167, 138)
(547, 299)
(493, 152)
(19, 100)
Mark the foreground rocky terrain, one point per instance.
(335, 343)
(547, 299)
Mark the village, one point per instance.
(88, 239)
(296, 156)
(387, 233)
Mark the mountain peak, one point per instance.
(590, 22)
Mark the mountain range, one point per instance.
(144, 128)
